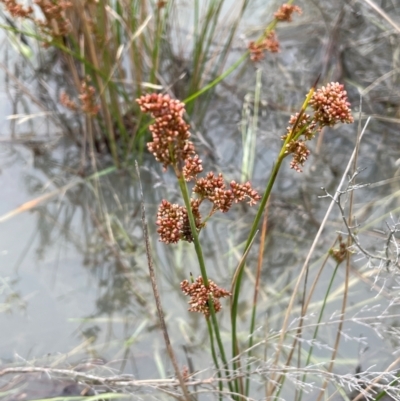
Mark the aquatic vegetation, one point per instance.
(109, 51)
(171, 147)
(264, 330)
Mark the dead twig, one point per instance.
(157, 298)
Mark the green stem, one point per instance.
(200, 258)
(254, 227)
(193, 228)
(293, 135)
(217, 80)
(214, 356)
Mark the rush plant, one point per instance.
(171, 146)
(110, 50)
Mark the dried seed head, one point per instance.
(331, 106)
(192, 167)
(173, 221)
(269, 43)
(17, 10)
(285, 12)
(88, 98)
(171, 145)
(200, 295)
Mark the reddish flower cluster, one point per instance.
(171, 145)
(200, 295)
(285, 12)
(173, 221)
(192, 167)
(339, 254)
(214, 189)
(300, 154)
(17, 10)
(67, 102)
(88, 98)
(55, 23)
(305, 126)
(330, 107)
(242, 192)
(269, 43)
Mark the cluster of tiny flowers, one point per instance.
(192, 167)
(67, 102)
(300, 154)
(17, 10)
(330, 107)
(340, 254)
(305, 126)
(200, 295)
(243, 192)
(269, 43)
(173, 221)
(285, 12)
(88, 99)
(171, 145)
(55, 23)
(214, 189)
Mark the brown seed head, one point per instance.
(200, 295)
(285, 12)
(331, 106)
(171, 145)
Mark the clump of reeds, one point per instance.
(171, 146)
(111, 50)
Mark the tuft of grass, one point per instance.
(114, 51)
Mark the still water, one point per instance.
(74, 282)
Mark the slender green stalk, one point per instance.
(203, 36)
(156, 48)
(200, 258)
(256, 291)
(235, 65)
(254, 227)
(195, 235)
(214, 356)
(217, 80)
(253, 230)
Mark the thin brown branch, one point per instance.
(157, 298)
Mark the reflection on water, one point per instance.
(74, 281)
